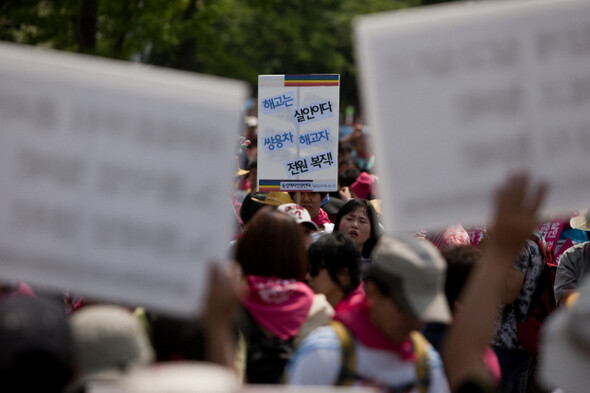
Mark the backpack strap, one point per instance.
(347, 358)
(423, 368)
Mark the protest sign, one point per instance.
(298, 132)
(307, 389)
(116, 178)
(460, 95)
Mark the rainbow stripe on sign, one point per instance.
(289, 185)
(269, 185)
(312, 80)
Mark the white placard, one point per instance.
(298, 132)
(249, 388)
(116, 178)
(460, 95)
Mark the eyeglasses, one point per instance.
(314, 269)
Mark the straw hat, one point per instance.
(275, 199)
(581, 221)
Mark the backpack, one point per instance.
(542, 302)
(347, 374)
(266, 355)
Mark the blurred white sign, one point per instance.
(308, 389)
(298, 132)
(460, 95)
(116, 178)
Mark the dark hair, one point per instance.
(36, 345)
(272, 246)
(175, 338)
(348, 177)
(292, 194)
(250, 207)
(371, 215)
(252, 165)
(337, 251)
(461, 259)
(344, 147)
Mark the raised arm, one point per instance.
(516, 206)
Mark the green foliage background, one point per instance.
(232, 38)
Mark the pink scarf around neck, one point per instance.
(278, 305)
(321, 218)
(358, 321)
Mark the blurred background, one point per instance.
(237, 39)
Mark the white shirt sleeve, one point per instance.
(317, 360)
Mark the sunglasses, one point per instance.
(314, 269)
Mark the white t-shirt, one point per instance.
(318, 362)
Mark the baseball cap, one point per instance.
(419, 268)
(299, 213)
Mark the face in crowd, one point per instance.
(319, 279)
(334, 266)
(395, 323)
(357, 225)
(312, 201)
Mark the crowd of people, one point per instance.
(320, 293)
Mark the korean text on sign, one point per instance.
(310, 164)
(278, 141)
(278, 102)
(311, 113)
(314, 137)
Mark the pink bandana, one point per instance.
(321, 218)
(352, 300)
(491, 362)
(357, 320)
(278, 305)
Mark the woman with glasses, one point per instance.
(334, 270)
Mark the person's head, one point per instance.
(581, 221)
(363, 186)
(312, 201)
(253, 175)
(344, 150)
(251, 123)
(359, 141)
(348, 177)
(357, 218)
(461, 259)
(109, 341)
(178, 339)
(404, 286)
(250, 205)
(348, 164)
(302, 217)
(252, 148)
(275, 198)
(272, 245)
(334, 266)
(36, 350)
